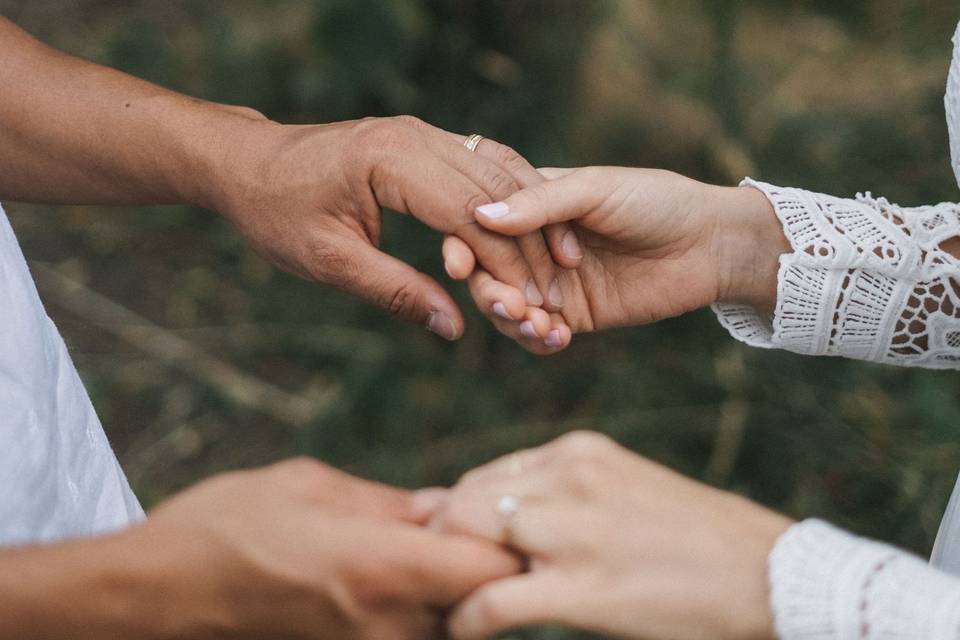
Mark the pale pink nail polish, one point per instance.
(553, 339)
(494, 210)
(527, 329)
(501, 310)
(534, 298)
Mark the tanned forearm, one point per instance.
(75, 132)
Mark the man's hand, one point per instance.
(309, 199)
(293, 551)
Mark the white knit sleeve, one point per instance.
(867, 279)
(829, 585)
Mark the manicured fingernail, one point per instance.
(501, 310)
(534, 298)
(494, 210)
(555, 296)
(571, 246)
(553, 339)
(527, 329)
(440, 324)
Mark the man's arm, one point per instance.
(306, 197)
(296, 550)
(75, 132)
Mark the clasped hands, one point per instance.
(597, 539)
(546, 253)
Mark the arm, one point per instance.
(865, 279)
(308, 198)
(625, 547)
(815, 274)
(293, 551)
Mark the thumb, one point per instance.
(519, 601)
(570, 197)
(396, 286)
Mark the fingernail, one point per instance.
(556, 297)
(501, 310)
(527, 329)
(440, 324)
(494, 210)
(553, 339)
(571, 246)
(534, 298)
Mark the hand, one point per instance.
(616, 544)
(296, 550)
(309, 198)
(656, 245)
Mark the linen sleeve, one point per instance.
(827, 584)
(866, 279)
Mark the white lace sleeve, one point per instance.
(867, 279)
(829, 585)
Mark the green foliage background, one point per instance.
(837, 97)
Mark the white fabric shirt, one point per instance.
(866, 279)
(59, 478)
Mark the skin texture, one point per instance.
(616, 544)
(656, 245)
(308, 198)
(293, 551)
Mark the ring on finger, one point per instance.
(473, 141)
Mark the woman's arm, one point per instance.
(815, 274)
(623, 546)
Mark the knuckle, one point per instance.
(401, 299)
(410, 121)
(509, 158)
(385, 135)
(327, 263)
(500, 183)
(585, 444)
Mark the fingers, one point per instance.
(571, 197)
(532, 328)
(401, 289)
(442, 569)
(560, 238)
(458, 258)
(528, 599)
(499, 175)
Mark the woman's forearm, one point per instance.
(75, 132)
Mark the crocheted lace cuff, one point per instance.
(827, 584)
(867, 279)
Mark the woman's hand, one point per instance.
(655, 245)
(616, 544)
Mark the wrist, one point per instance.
(208, 145)
(749, 613)
(748, 244)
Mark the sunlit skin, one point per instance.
(656, 245)
(617, 544)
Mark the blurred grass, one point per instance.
(837, 97)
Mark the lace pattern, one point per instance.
(867, 279)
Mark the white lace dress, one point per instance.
(866, 279)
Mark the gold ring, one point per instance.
(473, 141)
